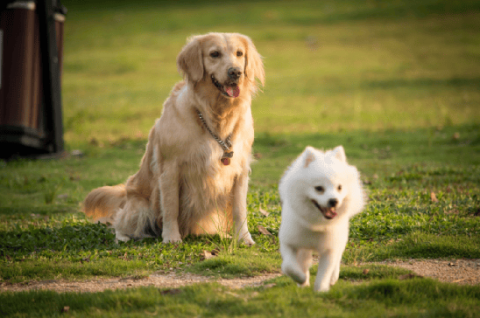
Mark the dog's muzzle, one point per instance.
(230, 89)
(329, 213)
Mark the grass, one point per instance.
(396, 83)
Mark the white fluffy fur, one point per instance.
(305, 228)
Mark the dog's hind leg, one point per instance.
(304, 258)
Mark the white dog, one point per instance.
(320, 192)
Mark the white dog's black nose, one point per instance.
(234, 73)
(332, 203)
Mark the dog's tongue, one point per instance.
(233, 91)
(331, 213)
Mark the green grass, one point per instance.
(395, 82)
(377, 297)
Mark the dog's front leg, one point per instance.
(327, 264)
(240, 209)
(290, 265)
(169, 202)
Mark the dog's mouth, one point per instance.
(328, 213)
(229, 90)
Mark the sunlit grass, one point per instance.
(396, 83)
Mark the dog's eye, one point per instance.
(339, 187)
(320, 189)
(215, 54)
(239, 53)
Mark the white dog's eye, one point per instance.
(339, 187)
(320, 189)
(215, 54)
(239, 53)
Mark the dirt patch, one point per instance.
(465, 272)
(460, 271)
(157, 280)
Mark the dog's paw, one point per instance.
(322, 288)
(168, 240)
(174, 238)
(305, 284)
(295, 274)
(247, 240)
(121, 237)
(333, 280)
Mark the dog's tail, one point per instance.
(103, 203)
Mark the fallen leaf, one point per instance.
(433, 197)
(265, 213)
(263, 230)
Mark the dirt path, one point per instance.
(157, 280)
(458, 271)
(461, 271)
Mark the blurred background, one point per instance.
(332, 66)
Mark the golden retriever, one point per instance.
(193, 177)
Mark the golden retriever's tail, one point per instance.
(103, 203)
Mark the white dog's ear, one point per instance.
(308, 156)
(190, 60)
(253, 62)
(339, 153)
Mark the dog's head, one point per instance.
(329, 179)
(228, 62)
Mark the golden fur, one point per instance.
(182, 187)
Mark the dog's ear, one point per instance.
(253, 62)
(339, 153)
(308, 156)
(190, 60)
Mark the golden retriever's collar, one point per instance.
(226, 145)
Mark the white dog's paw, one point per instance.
(305, 284)
(321, 289)
(333, 280)
(299, 277)
(307, 280)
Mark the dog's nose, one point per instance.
(332, 203)
(234, 73)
